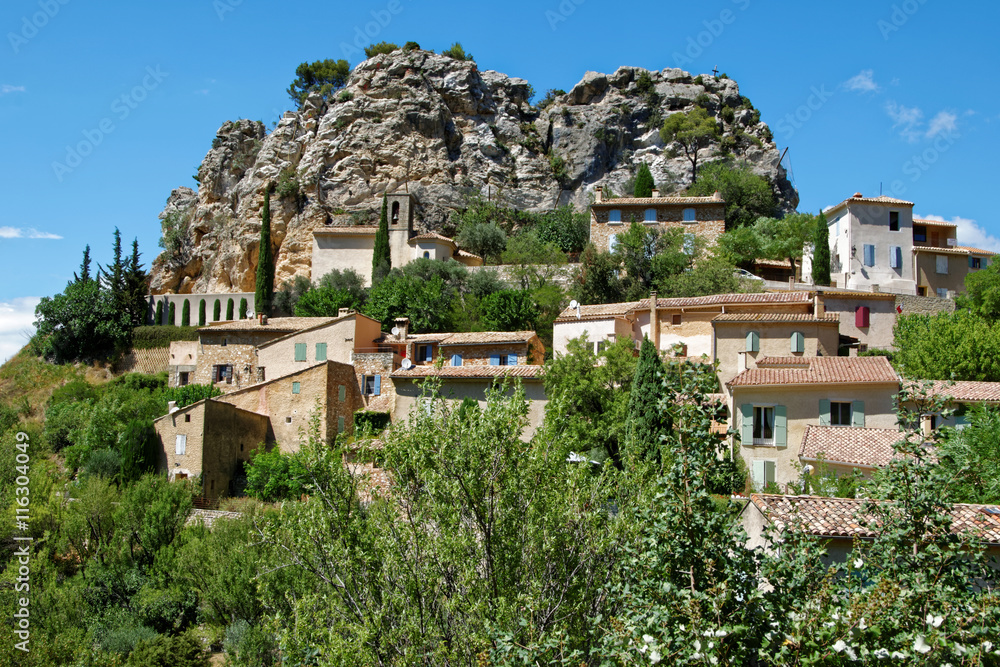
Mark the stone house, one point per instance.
(940, 263)
(477, 348)
(701, 217)
(773, 402)
(472, 381)
(353, 247)
(957, 396)
(335, 339)
(182, 362)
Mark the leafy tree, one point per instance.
(138, 444)
(485, 239)
(786, 237)
(411, 46)
(265, 261)
(273, 476)
(322, 76)
(970, 458)
(509, 310)
(532, 262)
(651, 256)
(382, 257)
(172, 314)
(741, 246)
(286, 298)
(151, 515)
(747, 195)
(821, 252)
(183, 650)
(201, 312)
(136, 284)
(83, 322)
(693, 130)
(947, 346)
(711, 275)
(373, 50)
(643, 182)
(229, 309)
(597, 280)
(186, 313)
(326, 302)
(648, 425)
(564, 228)
(243, 309)
(458, 53)
(983, 292)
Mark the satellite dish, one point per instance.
(250, 315)
(574, 304)
(407, 364)
(395, 331)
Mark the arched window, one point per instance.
(395, 212)
(614, 216)
(427, 254)
(650, 215)
(689, 215)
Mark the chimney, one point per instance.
(857, 195)
(262, 319)
(403, 324)
(343, 312)
(717, 196)
(598, 194)
(172, 407)
(656, 193)
(654, 321)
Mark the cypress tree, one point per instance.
(84, 267)
(135, 283)
(265, 262)
(201, 313)
(821, 252)
(217, 311)
(646, 420)
(382, 257)
(186, 314)
(243, 309)
(229, 309)
(643, 182)
(159, 313)
(171, 314)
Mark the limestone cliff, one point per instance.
(446, 131)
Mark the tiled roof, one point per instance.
(933, 223)
(966, 390)
(776, 263)
(412, 338)
(752, 298)
(431, 236)
(825, 318)
(865, 447)
(651, 201)
(358, 230)
(890, 201)
(274, 324)
(952, 250)
(380, 403)
(473, 372)
(598, 311)
(488, 337)
(816, 370)
(841, 293)
(465, 253)
(837, 517)
(975, 251)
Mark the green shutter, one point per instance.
(746, 424)
(343, 393)
(320, 351)
(296, 387)
(780, 426)
(340, 424)
(858, 414)
(824, 412)
(300, 352)
(769, 467)
(753, 342)
(759, 473)
(798, 342)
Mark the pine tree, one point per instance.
(821, 252)
(643, 182)
(136, 282)
(382, 257)
(647, 422)
(159, 313)
(172, 314)
(243, 309)
(265, 262)
(229, 310)
(186, 314)
(201, 313)
(84, 267)
(114, 276)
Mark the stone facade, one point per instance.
(708, 223)
(376, 365)
(182, 366)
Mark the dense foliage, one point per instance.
(323, 77)
(692, 131)
(821, 252)
(382, 257)
(947, 346)
(265, 260)
(748, 196)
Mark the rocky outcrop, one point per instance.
(445, 131)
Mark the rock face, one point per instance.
(447, 132)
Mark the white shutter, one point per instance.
(180, 445)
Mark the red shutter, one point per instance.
(861, 317)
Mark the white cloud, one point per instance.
(7, 88)
(17, 324)
(907, 119)
(969, 232)
(943, 122)
(864, 82)
(25, 233)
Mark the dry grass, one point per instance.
(27, 382)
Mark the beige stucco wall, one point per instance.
(927, 275)
(454, 391)
(597, 331)
(881, 318)
(342, 337)
(802, 405)
(861, 223)
(333, 251)
(775, 341)
(438, 250)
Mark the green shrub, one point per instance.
(703, 100)
(171, 314)
(373, 50)
(345, 96)
(159, 313)
(273, 476)
(370, 422)
(217, 311)
(190, 393)
(558, 166)
(728, 115)
(106, 463)
(243, 308)
(201, 312)
(186, 314)
(123, 640)
(148, 337)
(728, 476)
(183, 650)
(458, 53)
(698, 81)
(411, 46)
(550, 97)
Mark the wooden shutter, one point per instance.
(428, 353)
(780, 426)
(753, 342)
(378, 385)
(342, 393)
(798, 341)
(858, 414)
(746, 424)
(180, 445)
(769, 477)
(494, 360)
(759, 473)
(824, 412)
(300, 352)
(320, 351)
(862, 317)
(340, 424)
(456, 360)
(512, 359)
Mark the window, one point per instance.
(975, 262)
(320, 351)
(896, 257)
(893, 221)
(753, 342)
(187, 418)
(395, 212)
(342, 393)
(762, 474)
(288, 420)
(224, 342)
(180, 445)
(223, 373)
(612, 242)
(456, 360)
(300, 352)
(690, 215)
(676, 319)
(425, 353)
(600, 346)
(340, 424)
(615, 216)
(373, 385)
(941, 264)
(650, 215)
(919, 234)
(427, 254)
(260, 374)
(296, 387)
(183, 378)
(842, 413)
(942, 292)
(498, 360)
(862, 316)
(763, 425)
(869, 254)
(798, 342)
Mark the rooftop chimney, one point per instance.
(857, 195)
(656, 193)
(343, 312)
(262, 319)
(172, 407)
(403, 325)
(717, 196)
(598, 194)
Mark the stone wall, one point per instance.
(924, 305)
(150, 362)
(479, 355)
(210, 299)
(237, 348)
(709, 225)
(375, 363)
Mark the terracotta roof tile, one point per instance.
(838, 517)
(488, 338)
(825, 318)
(752, 298)
(952, 250)
(465, 253)
(865, 447)
(358, 230)
(651, 201)
(772, 371)
(889, 201)
(598, 311)
(966, 390)
(473, 372)
(975, 251)
(933, 223)
(775, 263)
(431, 236)
(274, 325)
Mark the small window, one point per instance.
(187, 418)
(372, 385)
(690, 215)
(840, 413)
(615, 216)
(427, 254)
(600, 346)
(260, 374)
(300, 352)
(942, 292)
(762, 474)
(224, 342)
(650, 215)
(456, 360)
(395, 212)
(941, 265)
(497, 359)
(676, 319)
(975, 262)
(919, 233)
(288, 420)
(320, 351)
(180, 445)
(425, 353)
(183, 378)
(296, 387)
(893, 221)
(763, 425)
(869, 254)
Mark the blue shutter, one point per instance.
(858, 414)
(428, 353)
(456, 360)
(378, 385)
(746, 424)
(869, 255)
(798, 342)
(512, 360)
(780, 426)
(824, 412)
(494, 360)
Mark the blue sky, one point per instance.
(897, 93)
